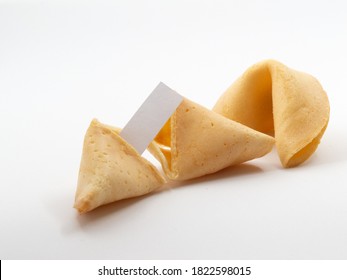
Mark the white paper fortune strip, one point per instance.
(151, 117)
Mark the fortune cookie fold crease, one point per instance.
(111, 170)
(197, 141)
(274, 99)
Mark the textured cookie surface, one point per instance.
(197, 141)
(111, 170)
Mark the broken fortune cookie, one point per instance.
(197, 141)
(111, 170)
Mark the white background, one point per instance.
(63, 63)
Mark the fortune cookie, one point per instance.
(274, 99)
(111, 169)
(197, 141)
